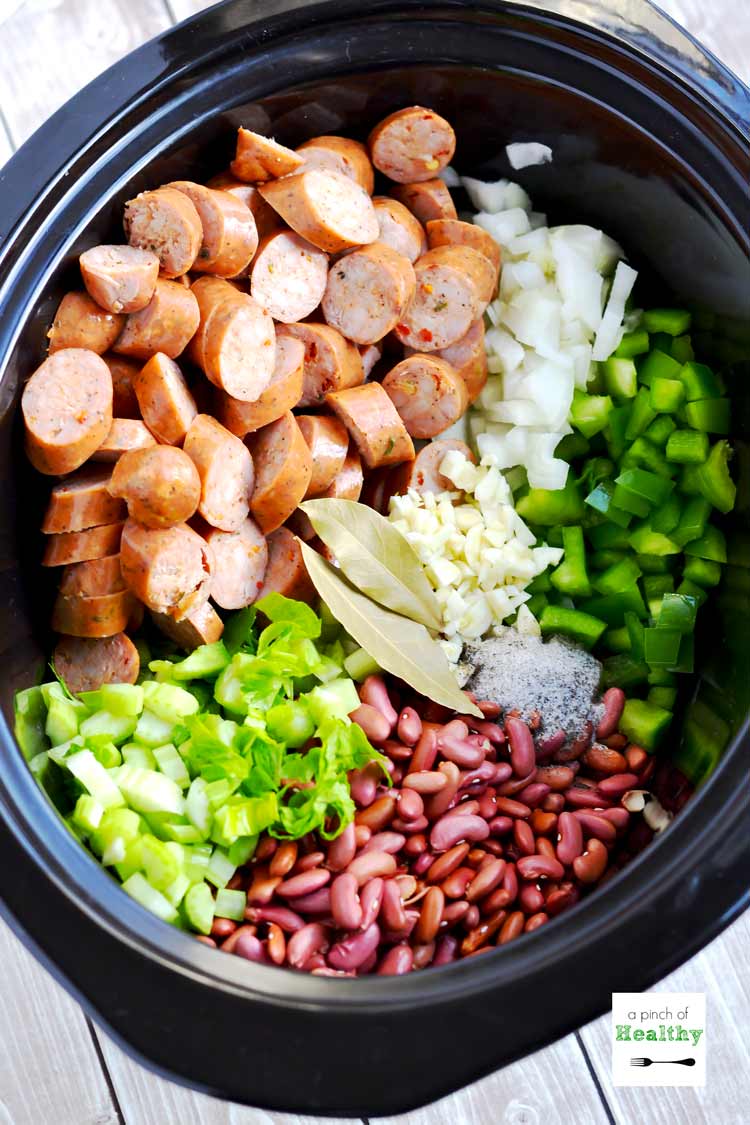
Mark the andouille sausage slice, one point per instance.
(478, 265)
(230, 236)
(371, 354)
(201, 626)
(328, 209)
(82, 500)
(427, 201)
(374, 424)
(81, 323)
(347, 484)
(423, 473)
(286, 572)
(125, 434)
(165, 401)
(265, 217)
(121, 279)
(447, 299)
(226, 471)
(469, 358)
(237, 344)
(282, 393)
(101, 616)
(331, 361)
(93, 578)
(340, 154)
(160, 485)
(412, 144)
(167, 324)
(166, 222)
(209, 292)
(328, 441)
(368, 292)
(288, 276)
(398, 228)
(261, 158)
(123, 372)
(80, 546)
(240, 558)
(428, 394)
(67, 410)
(85, 663)
(168, 568)
(284, 469)
(454, 232)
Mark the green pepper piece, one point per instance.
(648, 486)
(682, 349)
(699, 381)
(601, 500)
(590, 413)
(645, 455)
(692, 590)
(548, 507)
(616, 640)
(704, 736)
(666, 517)
(536, 604)
(660, 429)
(612, 608)
(687, 447)
(672, 321)
(636, 632)
(642, 415)
(608, 536)
(666, 395)
(627, 501)
(686, 658)
(662, 647)
(570, 576)
(616, 429)
(662, 697)
(644, 724)
(655, 585)
(710, 415)
(601, 560)
(540, 585)
(704, 572)
(660, 677)
(714, 480)
(693, 520)
(711, 545)
(573, 623)
(620, 377)
(619, 577)
(571, 447)
(657, 365)
(632, 344)
(623, 671)
(646, 541)
(678, 611)
(654, 564)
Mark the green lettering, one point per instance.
(623, 1032)
(651, 1035)
(696, 1033)
(638, 1034)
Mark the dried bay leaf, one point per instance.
(400, 646)
(376, 558)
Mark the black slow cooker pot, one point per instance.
(650, 140)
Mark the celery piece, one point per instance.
(231, 904)
(122, 699)
(169, 702)
(220, 868)
(711, 545)
(620, 377)
(30, 714)
(88, 813)
(632, 344)
(117, 728)
(338, 698)
(198, 905)
(243, 816)
(150, 792)
(124, 856)
(177, 889)
(699, 381)
(359, 665)
(104, 750)
(141, 890)
(242, 849)
(135, 755)
(590, 413)
(644, 724)
(159, 862)
(714, 480)
(153, 731)
(687, 447)
(672, 321)
(94, 778)
(197, 808)
(678, 612)
(118, 828)
(710, 415)
(62, 720)
(573, 623)
(660, 429)
(204, 662)
(171, 764)
(666, 395)
(291, 722)
(704, 572)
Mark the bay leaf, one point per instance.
(399, 645)
(375, 557)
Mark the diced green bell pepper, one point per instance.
(612, 608)
(644, 723)
(666, 395)
(573, 623)
(714, 480)
(687, 447)
(549, 507)
(662, 647)
(628, 502)
(616, 640)
(672, 321)
(570, 576)
(615, 431)
(657, 365)
(704, 572)
(623, 671)
(660, 429)
(704, 736)
(692, 590)
(620, 377)
(644, 454)
(699, 381)
(682, 349)
(654, 564)
(608, 537)
(666, 517)
(621, 576)
(678, 611)
(590, 413)
(664, 697)
(648, 486)
(642, 415)
(601, 500)
(656, 585)
(646, 541)
(711, 545)
(632, 344)
(637, 635)
(710, 415)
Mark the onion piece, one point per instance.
(524, 154)
(610, 330)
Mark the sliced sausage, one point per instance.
(166, 222)
(93, 578)
(328, 442)
(328, 209)
(121, 279)
(412, 144)
(84, 663)
(80, 546)
(230, 236)
(447, 299)
(427, 201)
(240, 564)
(347, 484)
(423, 473)
(99, 616)
(236, 341)
(160, 485)
(265, 217)
(398, 228)
(331, 362)
(288, 276)
(209, 292)
(374, 424)
(167, 324)
(261, 158)
(67, 410)
(339, 154)
(123, 372)
(165, 402)
(81, 323)
(454, 232)
(226, 471)
(81, 501)
(469, 357)
(201, 626)
(124, 434)
(286, 572)
(368, 292)
(168, 568)
(284, 469)
(371, 354)
(283, 392)
(428, 394)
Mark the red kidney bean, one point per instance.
(464, 807)
(305, 883)
(545, 847)
(407, 886)
(422, 863)
(228, 944)
(397, 961)
(489, 708)
(501, 825)
(487, 806)
(539, 867)
(345, 904)
(430, 916)
(590, 866)
(530, 898)
(524, 838)
(483, 773)
(275, 944)
(263, 886)
(454, 912)
(510, 880)
(447, 863)
(354, 949)
(455, 884)
(503, 771)
(522, 753)
(491, 731)
(586, 798)
(307, 862)
(570, 843)
(496, 900)
(409, 805)
(535, 921)
(512, 927)
(471, 918)
(391, 842)
(371, 897)
(494, 847)
(561, 898)
(489, 876)
(378, 814)
(315, 961)
(425, 782)
(222, 927)
(416, 845)
(363, 788)
(326, 972)
(603, 760)
(482, 933)
(423, 955)
(342, 850)
(557, 777)
(204, 940)
(616, 741)
(372, 721)
(392, 913)
(319, 902)
(616, 786)
(251, 948)
(374, 693)
(397, 751)
(446, 950)
(265, 849)
(636, 757)
(441, 801)
(465, 755)
(551, 743)
(361, 835)
(619, 817)
(513, 787)
(409, 727)
(238, 880)
(280, 915)
(613, 702)
(450, 830)
(554, 803)
(534, 794)
(543, 823)
(596, 826)
(284, 859)
(368, 965)
(409, 827)
(425, 752)
(370, 865)
(507, 807)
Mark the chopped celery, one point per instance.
(88, 813)
(30, 716)
(220, 868)
(94, 778)
(199, 908)
(197, 808)
(170, 763)
(153, 731)
(336, 698)
(230, 904)
(359, 665)
(135, 755)
(242, 849)
(122, 699)
(63, 718)
(141, 890)
(204, 662)
(291, 722)
(150, 792)
(159, 862)
(117, 728)
(168, 702)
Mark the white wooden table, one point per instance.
(56, 1066)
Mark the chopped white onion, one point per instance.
(610, 330)
(524, 154)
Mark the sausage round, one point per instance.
(286, 572)
(331, 362)
(81, 323)
(166, 222)
(469, 358)
(124, 435)
(160, 485)
(201, 626)
(427, 201)
(93, 578)
(265, 217)
(339, 154)
(226, 471)
(84, 663)
(374, 424)
(123, 372)
(101, 616)
(284, 469)
(67, 410)
(80, 546)
(428, 394)
(230, 236)
(347, 484)
(412, 144)
(165, 402)
(121, 279)
(167, 324)
(398, 228)
(236, 341)
(454, 232)
(423, 473)
(328, 209)
(282, 393)
(447, 299)
(328, 441)
(260, 158)
(288, 276)
(168, 568)
(368, 292)
(240, 564)
(81, 501)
